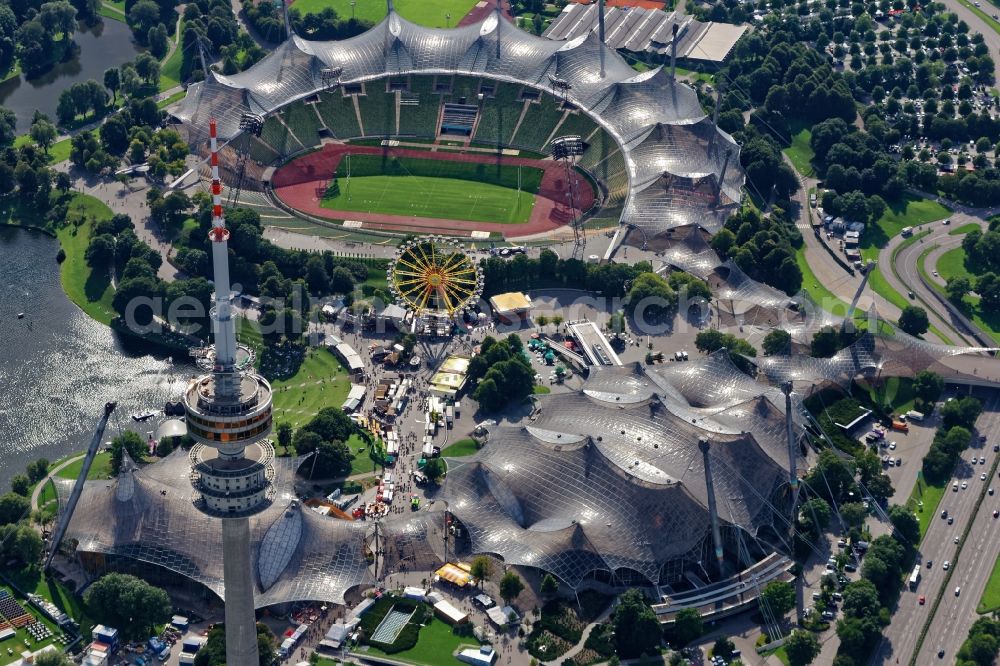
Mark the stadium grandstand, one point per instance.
(660, 160)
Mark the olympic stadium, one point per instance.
(653, 158)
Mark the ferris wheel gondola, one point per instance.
(434, 276)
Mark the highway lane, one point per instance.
(909, 278)
(955, 615)
(899, 638)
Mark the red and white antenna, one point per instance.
(219, 233)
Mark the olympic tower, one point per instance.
(229, 416)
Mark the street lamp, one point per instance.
(353, 2)
(447, 20)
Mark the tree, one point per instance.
(37, 469)
(861, 600)
(541, 321)
(825, 342)
(143, 15)
(927, 386)
(213, 653)
(801, 647)
(333, 460)
(21, 485)
(961, 412)
(128, 603)
(165, 447)
(853, 514)
(127, 441)
(777, 341)
(58, 17)
(435, 469)
(481, 569)
(113, 82)
(913, 320)
(687, 626)
(549, 586)
(511, 586)
(814, 514)
(724, 648)
(957, 288)
(52, 658)
(651, 299)
(637, 629)
(779, 597)
(284, 435)
(158, 42)
(43, 133)
(13, 508)
(905, 523)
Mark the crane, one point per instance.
(74, 497)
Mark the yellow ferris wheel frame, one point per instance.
(434, 275)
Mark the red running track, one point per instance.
(301, 183)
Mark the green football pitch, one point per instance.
(431, 13)
(435, 189)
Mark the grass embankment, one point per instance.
(990, 600)
(800, 152)
(90, 290)
(964, 229)
(434, 647)
(951, 264)
(431, 13)
(812, 285)
(988, 322)
(463, 447)
(435, 188)
(170, 68)
(176, 97)
(931, 498)
(321, 381)
(100, 469)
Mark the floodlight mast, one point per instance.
(565, 149)
(793, 484)
(251, 124)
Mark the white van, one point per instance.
(914, 415)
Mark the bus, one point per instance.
(915, 577)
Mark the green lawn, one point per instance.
(931, 497)
(463, 447)
(101, 469)
(988, 322)
(434, 188)
(58, 151)
(170, 69)
(820, 294)
(990, 600)
(434, 646)
(951, 264)
(31, 580)
(964, 229)
(176, 97)
(90, 290)
(425, 12)
(362, 462)
(909, 211)
(321, 381)
(800, 152)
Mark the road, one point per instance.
(904, 276)
(955, 615)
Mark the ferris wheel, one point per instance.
(434, 276)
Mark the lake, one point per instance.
(103, 45)
(58, 366)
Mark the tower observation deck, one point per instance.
(229, 416)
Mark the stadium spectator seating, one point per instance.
(277, 136)
(575, 124)
(378, 110)
(539, 121)
(498, 115)
(466, 87)
(301, 118)
(338, 114)
(459, 118)
(418, 108)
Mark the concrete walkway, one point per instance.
(52, 472)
